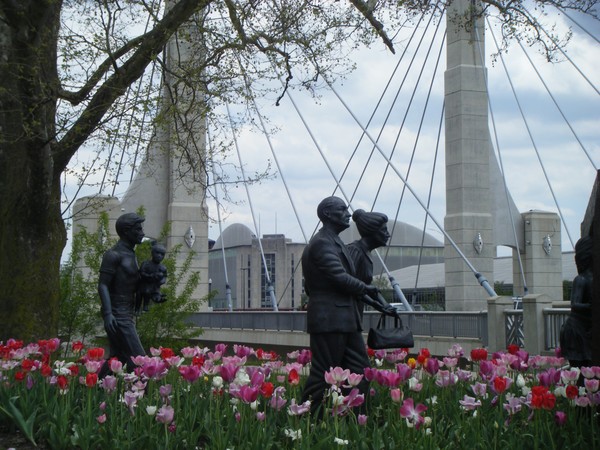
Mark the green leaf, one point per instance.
(25, 425)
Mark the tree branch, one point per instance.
(367, 12)
(132, 69)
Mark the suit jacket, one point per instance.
(331, 285)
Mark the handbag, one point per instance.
(397, 337)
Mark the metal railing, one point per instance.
(459, 324)
(554, 318)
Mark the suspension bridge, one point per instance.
(381, 141)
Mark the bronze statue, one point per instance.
(117, 287)
(153, 275)
(372, 227)
(333, 314)
(576, 333)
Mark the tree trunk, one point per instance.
(32, 233)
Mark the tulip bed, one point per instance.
(240, 398)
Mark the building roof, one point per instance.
(403, 235)
(235, 235)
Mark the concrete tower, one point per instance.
(480, 214)
(468, 220)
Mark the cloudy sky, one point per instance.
(315, 141)
(324, 126)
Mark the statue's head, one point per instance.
(129, 226)
(584, 254)
(333, 211)
(368, 222)
(372, 226)
(158, 251)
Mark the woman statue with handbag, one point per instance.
(372, 227)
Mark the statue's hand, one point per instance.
(389, 310)
(110, 323)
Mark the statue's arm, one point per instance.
(327, 260)
(581, 291)
(107, 271)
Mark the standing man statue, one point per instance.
(117, 287)
(333, 314)
(576, 333)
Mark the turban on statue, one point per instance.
(368, 222)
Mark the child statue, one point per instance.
(153, 275)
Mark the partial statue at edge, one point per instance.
(153, 274)
(576, 333)
(117, 288)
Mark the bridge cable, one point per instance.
(337, 182)
(127, 133)
(539, 25)
(422, 120)
(262, 253)
(526, 123)
(585, 30)
(418, 131)
(557, 105)
(221, 236)
(435, 159)
(378, 105)
(408, 106)
(247, 85)
(481, 279)
(139, 139)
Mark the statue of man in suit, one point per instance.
(333, 314)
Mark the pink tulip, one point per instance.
(189, 373)
(228, 371)
(242, 350)
(362, 419)
(479, 389)
(591, 385)
(432, 366)
(278, 400)
(336, 376)
(412, 413)
(221, 348)
(115, 365)
(469, 403)
(109, 383)
(404, 371)
(165, 414)
(560, 418)
(396, 395)
(298, 409)
(354, 379)
(249, 394)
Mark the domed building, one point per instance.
(235, 261)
